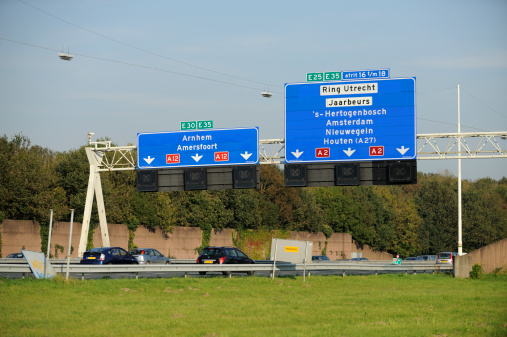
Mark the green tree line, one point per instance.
(402, 219)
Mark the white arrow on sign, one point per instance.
(196, 157)
(403, 150)
(297, 154)
(245, 155)
(349, 152)
(149, 159)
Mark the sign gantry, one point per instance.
(103, 158)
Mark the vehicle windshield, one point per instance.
(445, 255)
(137, 251)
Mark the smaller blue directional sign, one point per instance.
(216, 147)
(365, 120)
(365, 74)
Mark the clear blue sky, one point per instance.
(146, 66)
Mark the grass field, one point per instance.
(384, 305)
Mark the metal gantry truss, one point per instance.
(473, 145)
(485, 145)
(104, 157)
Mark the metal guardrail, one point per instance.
(137, 270)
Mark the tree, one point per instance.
(484, 214)
(72, 171)
(436, 203)
(28, 187)
(308, 216)
(274, 190)
(245, 208)
(402, 224)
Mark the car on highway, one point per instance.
(108, 255)
(418, 258)
(428, 257)
(359, 259)
(15, 256)
(446, 257)
(224, 255)
(320, 258)
(148, 256)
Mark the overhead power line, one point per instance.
(478, 100)
(144, 50)
(139, 66)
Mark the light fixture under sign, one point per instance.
(266, 94)
(66, 57)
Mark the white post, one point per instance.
(49, 246)
(304, 266)
(94, 188)
(87, 212)
(460, 242)
(70, 243)
(274, 262)
(102, 211)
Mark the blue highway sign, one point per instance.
(216, 147)
(365, 74)
(350, 121)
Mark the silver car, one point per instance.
(148, 256)
(446, 257)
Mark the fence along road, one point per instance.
(18, 270)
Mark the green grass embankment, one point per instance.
(384, 305)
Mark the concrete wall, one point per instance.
(340, 246)
(17, 234)
(222, 237)
(491, 257)
(182, 242)
(462, 266)
(118, 236)
(60, 238)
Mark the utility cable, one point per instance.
(143, 50)
(138, 66)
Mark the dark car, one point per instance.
(359, 259)
(224, 255)
(15, 256)
(323, 258)
(418, 258)
(108, 255)
(148, 256)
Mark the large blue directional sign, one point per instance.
(350, 121)
(216, 147)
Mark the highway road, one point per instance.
(187, 268)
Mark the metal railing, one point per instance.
(78, 270)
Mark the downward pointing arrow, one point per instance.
(149, 160)
(349, 152)
(245, 155)
(403, 150)
(297, 154)
(196, 157)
